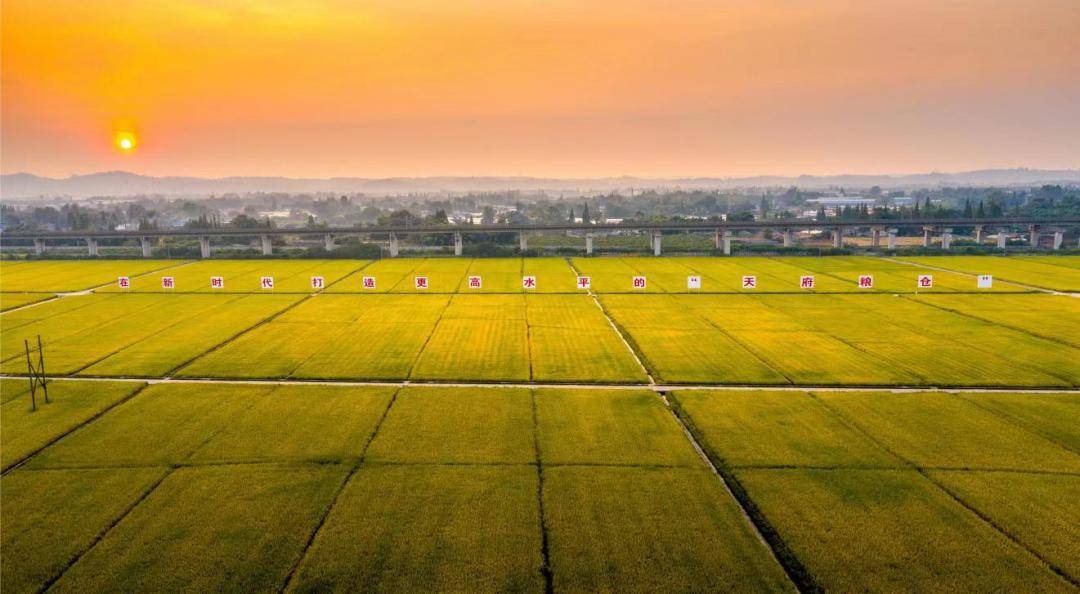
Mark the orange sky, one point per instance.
(554, 88)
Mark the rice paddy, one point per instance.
(486, 435)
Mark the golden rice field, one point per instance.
(458, 434)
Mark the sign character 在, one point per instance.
(123, 282)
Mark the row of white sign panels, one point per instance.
(866, 281)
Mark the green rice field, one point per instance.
(369, 431)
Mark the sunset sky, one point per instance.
(318, 88)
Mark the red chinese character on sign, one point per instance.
(369, 282)
(926, 281)
(806, 282)
(317, 282)
(124, 282)
(639, 282)
(584, 282)
(421, 282)
(528, 282)
(167, 282)
(266, 282)
(217, 282)
(474, 282)
(866, 281)
(749, 282)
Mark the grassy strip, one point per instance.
(951, 493)
(29, 456)
(337, 495)
(225, 342)
(545, 568)
(627, 339)
(794, 568)
(104, 531)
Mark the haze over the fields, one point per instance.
(324, 88)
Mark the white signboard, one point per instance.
(123, 282)
(266, 282)
(528, 282)
(639, 282)
(584, 282)
(217, 282)
(986, 281)
(318, 282)
(926, 281)
(369, 282)
(475, 282)
(866, 281)
(693, 282)
(749, 282)
(420, 282)
(167, 282)
(807, 281)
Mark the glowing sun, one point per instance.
(125, 141)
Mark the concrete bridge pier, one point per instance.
(1059, 238)
(458, 245)
(838, 237)
(92, 246)
(204, 246)
(523, 241)
(946, 238)
(39, 246)
(267, 246)
(927, 236)
(891, 239)
(979, 234)
(875, 237)
(657, 238)
(1033, 234)
(144, 243)
(393, 246)
(328, 242)
(1003, 236)
(789, 238)
(588, 244)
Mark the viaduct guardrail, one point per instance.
(1035, 226)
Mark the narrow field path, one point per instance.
(658, 387)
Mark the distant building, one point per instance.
(842, 201)
(275, 214)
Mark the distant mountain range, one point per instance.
(121, 183)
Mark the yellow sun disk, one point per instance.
(125, 142)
